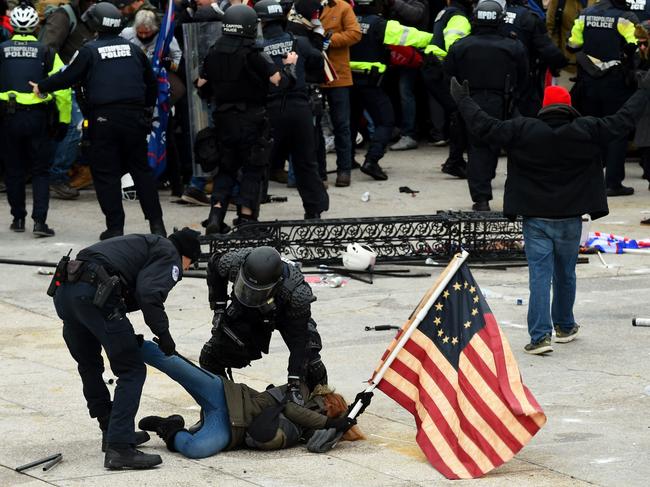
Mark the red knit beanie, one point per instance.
(556, 95)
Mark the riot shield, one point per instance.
(198, 37)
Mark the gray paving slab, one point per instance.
(592, 390)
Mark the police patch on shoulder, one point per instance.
(175, 273)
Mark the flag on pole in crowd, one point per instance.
(452, 368)
(157, 143)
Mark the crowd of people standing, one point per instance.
(285, 82)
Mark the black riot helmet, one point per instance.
(269, 10)
(258, 277)
(622, 4)
(489, 13)
(104, 17)
(240, 21)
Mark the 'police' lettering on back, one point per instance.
(112, 52)
(20, 52)
(279, 48)
(599, 21)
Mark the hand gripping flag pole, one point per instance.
(420, 312)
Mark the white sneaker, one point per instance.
(405, 143)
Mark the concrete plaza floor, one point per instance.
(595, 390)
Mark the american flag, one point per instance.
(157, 142)
(458, 377)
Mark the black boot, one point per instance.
(157, 227)
(166, 428)
(18, 225)
(119, 457)
(243, 220)
(374, 170)
(140, 436)
(456, 168)
(215, 222)
(110, 233)
(42, 230)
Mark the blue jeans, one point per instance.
(339, 103)
(67, 150)
(407, 79)
(552, 252)
(207, 391)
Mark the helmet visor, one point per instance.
(250, 294)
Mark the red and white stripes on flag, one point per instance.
(458, 377)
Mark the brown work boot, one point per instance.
(82, 178)
(343, 179)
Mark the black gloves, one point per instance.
(364, 398)
(341, 424)
(217, 318)
(166, 344)
(293, 392)
(458, 91)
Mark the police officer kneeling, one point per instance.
(92, 295)
(119, 92)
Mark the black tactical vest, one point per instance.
(22, 62)
(371, 47)
(601, 38)
(116, 75)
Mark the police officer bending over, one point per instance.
(92, 295)
(236, 76)
(268, 293)
(27, 120)
(120, 91)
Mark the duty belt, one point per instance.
(88, 272)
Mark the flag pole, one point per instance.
(438, 287)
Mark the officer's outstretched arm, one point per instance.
(397, 34)
(73, 74)
(63, 98)
(217, 284)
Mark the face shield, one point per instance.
(250, 294)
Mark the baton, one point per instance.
(38, 462)
(52, 463)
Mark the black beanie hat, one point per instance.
(187, 243)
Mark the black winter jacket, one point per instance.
(554, 160)
(149, 266)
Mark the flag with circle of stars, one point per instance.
(458, 377)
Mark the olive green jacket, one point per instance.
(245, 403)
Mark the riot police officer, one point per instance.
(93, 294)
(368, 60)
(496, 68)
(235, 76)
(451, 23)
(604, 35)
(267, 294)
(289, 109)
(27, 120)
(530, 29)
(119, 91)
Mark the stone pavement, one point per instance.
(592, 390)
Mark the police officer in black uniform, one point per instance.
(268, 294)
(235, 77)
(289, 109)
(120, 91)
(93, 295)
(496, 68)
(604, 36)
(529, 28)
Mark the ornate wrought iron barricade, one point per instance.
(486, 236)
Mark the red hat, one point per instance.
(556, 95)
